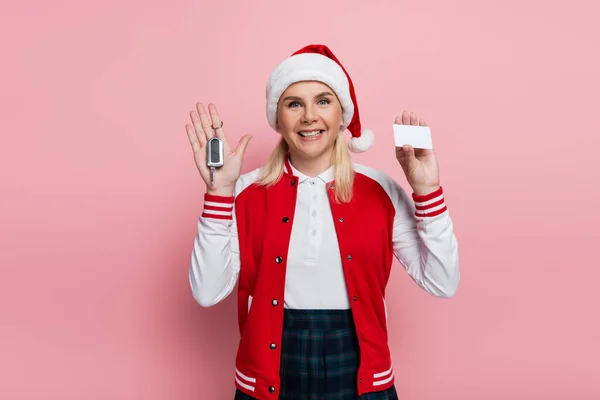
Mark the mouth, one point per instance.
(311, 134)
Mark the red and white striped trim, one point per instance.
(431, 204)
(245, 381)
(219, 207)
(387, 376)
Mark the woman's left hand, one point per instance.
(420, 165)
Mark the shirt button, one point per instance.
(332, 187)
(312, 182)
(278, 260)
(355, 298)
(293, 182)
(285, 219)
(360, 380)
(273, 346)
(341, 219)
(348, 257)
(271, 389)
(274, 302)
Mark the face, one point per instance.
(309, 117)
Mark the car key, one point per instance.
(214, 156)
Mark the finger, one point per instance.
(217, 123)
(405, 117)
(413, 119)
(243, 143)
(422, 122)
(398, 120)
(405, 152)
(198, 131)
(205, 122)
(406, 157)
(191, 133)
(408, 150)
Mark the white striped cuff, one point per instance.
(431, 204)
(218, 207)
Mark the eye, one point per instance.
(324, 102)
(293, 104)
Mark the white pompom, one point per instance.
(362, 143)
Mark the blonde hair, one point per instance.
(341, 160)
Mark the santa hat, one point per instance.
(317, 63)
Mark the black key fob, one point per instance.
(214, 156)
(214, 152)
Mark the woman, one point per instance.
(310, 239)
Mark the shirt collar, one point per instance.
(325, 176)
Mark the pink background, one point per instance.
(100, 195)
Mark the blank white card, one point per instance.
(418, 137)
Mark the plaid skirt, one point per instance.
(320, 358)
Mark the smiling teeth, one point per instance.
(309, 134)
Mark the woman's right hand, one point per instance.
(199, 133)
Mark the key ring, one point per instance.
(218, 127)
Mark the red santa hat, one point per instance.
(317, 63)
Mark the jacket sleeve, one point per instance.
(215, 262)
(424, 241)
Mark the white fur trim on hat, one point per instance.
(362, 143)
(308, 67)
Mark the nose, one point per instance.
(310, 115)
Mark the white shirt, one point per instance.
(314, 275)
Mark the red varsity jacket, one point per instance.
(366, 229)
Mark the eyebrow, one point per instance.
(322, 94)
